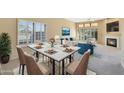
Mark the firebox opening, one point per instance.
(112, 42)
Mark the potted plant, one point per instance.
(5, 48)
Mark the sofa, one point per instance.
(84, 47)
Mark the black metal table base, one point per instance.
(70, 59)
(53, 66)
(63, 66)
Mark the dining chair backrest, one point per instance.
(32, 67)
(82, 67)
(21, 54)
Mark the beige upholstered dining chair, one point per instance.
(79, 67)
(21, 59)
(33, 68)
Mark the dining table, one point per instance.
(58, 54)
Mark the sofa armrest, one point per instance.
(84, 47)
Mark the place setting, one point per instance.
(38, 45)
(68, 49)
(50, 51)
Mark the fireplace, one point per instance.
(112, 42)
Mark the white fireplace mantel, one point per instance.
(113, 37)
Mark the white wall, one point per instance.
(122, 39)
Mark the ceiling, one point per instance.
(83, 19)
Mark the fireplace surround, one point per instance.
(112, 41)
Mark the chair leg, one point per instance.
(23, 66)
(70, 59)
(20, 69)
(66, 73)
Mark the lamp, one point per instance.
(57, 37)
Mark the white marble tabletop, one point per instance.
(59, 55)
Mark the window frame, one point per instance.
(33, 31)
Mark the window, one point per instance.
(87, 30)
(39, 32)
(29, 32)
(86, 33)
